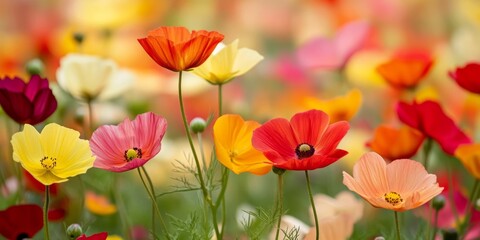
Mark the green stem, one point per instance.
(279, 204)
(221, 197)
(435, 224)
(152, 190)
(469, 209)
(220, 100)
(202, 153)
(397, 225)
(152, 197)
(427, 146)
(310, 195)
(206, 195)
(45, 212)
(89, 123)
(121, 208)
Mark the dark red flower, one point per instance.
(467, 77)
(307, 142)
(31, 102)
(96, 236)
(21, 221)
(429, 118)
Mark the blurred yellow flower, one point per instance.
(228, 63)
(469, 155)
(99, 204)
(89, 77)
(53, 155)
(114, 237)
(233, 145)
(339, 108)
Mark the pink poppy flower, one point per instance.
(130, 144)
(398, 186)
(307, 142)
(334, 53)
(467, 77)
(429, 118)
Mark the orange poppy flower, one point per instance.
(98, 204)
(176, 49)
(341, 108)
(396, 143)
(405, 70)
(233, 145)
(399, 186)
(469, 155)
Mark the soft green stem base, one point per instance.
(152, 197)
(397, 226)
(279, 204)
(435, 224)
(45, 212)
(427, 146)
(310, 195)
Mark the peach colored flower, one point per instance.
(401, 185)
(469, 155)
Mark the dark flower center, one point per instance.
(22, 236)
(132, 153)
(304, 150)
(48, 162)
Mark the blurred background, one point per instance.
(279, 86)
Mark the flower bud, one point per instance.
(278, 171)
(379, 238)
(438, 202)
(34, 67)
(74, 231)
(198, 125)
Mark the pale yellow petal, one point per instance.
(48, 178)
(119, 83)
(222, 62)
(245, 60)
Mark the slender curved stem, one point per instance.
(427, 146)
(123, 216)
(202, 153)
(152, 197)
(206, 195)
(397, 225)
(310, 195)
(279, 207)
(45, 212)
(469, 208)
(435, 224)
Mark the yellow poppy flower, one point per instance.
(53, 155)
(341, 108)
(233, 145)
(227, 63)
(469, 155)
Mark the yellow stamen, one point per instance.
(48, 162)
(393, 198)
(304, 147)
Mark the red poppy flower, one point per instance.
(97, 236)
(467, 77)
(406, 69)
(31, 102)
(307, 142)
(21, 221)
(429, 118)
(176, 49)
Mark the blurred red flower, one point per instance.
(467, 77)
(96, 236)
(176, 49)
(31, 102)
(429, 118)
(406, 69)
(21, 221)
(307, 142)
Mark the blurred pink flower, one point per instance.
(333, 53)
(130, 144)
